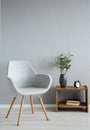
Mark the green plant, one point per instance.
(63, 61)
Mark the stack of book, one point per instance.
(73, 102)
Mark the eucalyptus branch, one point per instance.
(63, 61)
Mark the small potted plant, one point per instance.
(63, 61)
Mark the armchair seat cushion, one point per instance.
(32, 91)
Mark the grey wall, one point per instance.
(0, 27)
(36, 29)
(0, 34)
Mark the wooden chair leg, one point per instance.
(43, 107)
(20, 111)
(13, 101)
(32, 106)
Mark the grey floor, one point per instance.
(62, 120)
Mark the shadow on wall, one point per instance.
(50, 96)
(45, 64)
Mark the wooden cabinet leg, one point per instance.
(56, 100)
(56, 107)
(86, 99)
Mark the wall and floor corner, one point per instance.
(35, 30)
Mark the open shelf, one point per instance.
(69, 88)
(63, 105)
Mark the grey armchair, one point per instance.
(27, 82)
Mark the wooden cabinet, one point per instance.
(71, 88)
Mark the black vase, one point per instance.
(63, 80)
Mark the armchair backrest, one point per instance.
(21, 72)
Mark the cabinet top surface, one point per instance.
(71, 88)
